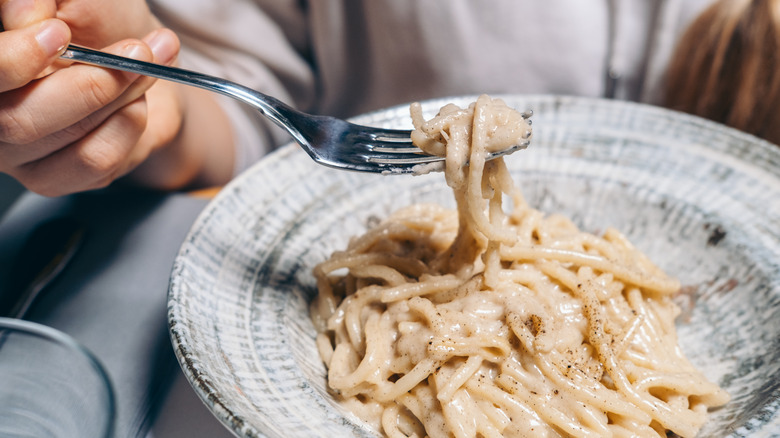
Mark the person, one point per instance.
(69, 128)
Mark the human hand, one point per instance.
(79, 127)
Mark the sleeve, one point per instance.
(259, 44)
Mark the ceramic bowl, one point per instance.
(702, 200)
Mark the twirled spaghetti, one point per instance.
(492, 321)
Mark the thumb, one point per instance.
(29, 51)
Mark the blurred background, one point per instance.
(9, 191)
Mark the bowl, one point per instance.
(700, 199)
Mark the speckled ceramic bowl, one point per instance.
(701, 200)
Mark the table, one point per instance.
(112, 298)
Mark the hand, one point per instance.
(94, 23)
(79, 127)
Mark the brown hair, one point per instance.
(727, 67)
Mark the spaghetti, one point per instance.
(499, 321)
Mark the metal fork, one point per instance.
(328, 140)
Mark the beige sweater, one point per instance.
(345, 57)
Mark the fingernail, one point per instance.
(52, 36)
(162, 46)
(133, 51)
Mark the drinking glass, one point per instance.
(50, 385)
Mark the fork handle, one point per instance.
(267, 105)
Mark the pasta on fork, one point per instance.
(495, 320)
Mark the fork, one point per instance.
(328, 140)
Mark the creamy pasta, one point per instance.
(497, 320)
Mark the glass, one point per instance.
(50, 385)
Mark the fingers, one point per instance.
(94, 161)
(164, 44)
(81, 127)
(29, 51)
(68, 104)
(58, 110)
(31, 40)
